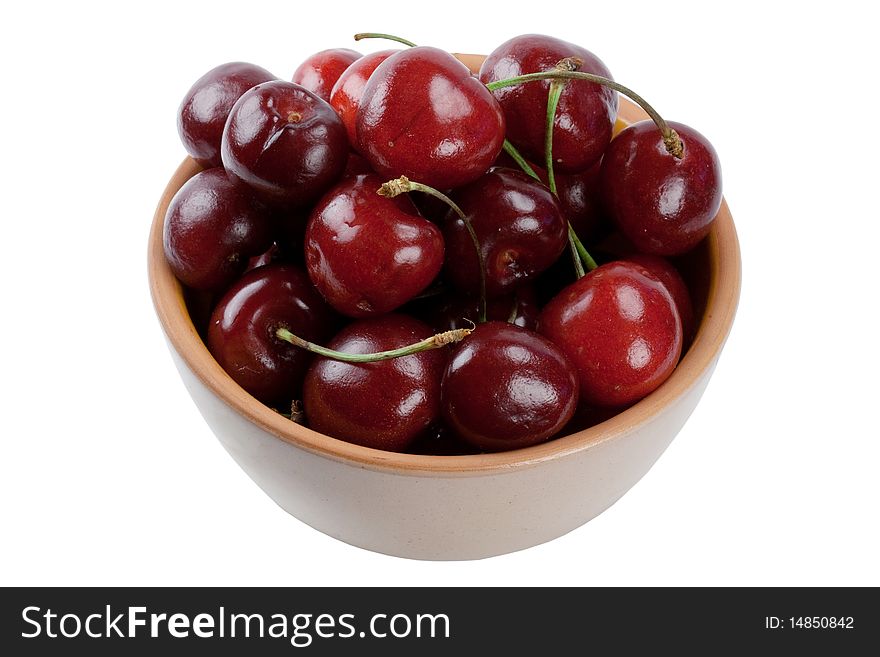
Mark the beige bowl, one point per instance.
(450, 507)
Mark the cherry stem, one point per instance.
(556, 88)
(434, 291)
(377, 35)
(297, 414)
(403, 184)
(580, 255)
(510, 149)
(581, 250)
(514, 311)
(670, 137)
(434, 342)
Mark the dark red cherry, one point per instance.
(519, 226)
(449, 311)
(581, 201)
(320, 72)
(507, 387)
(205, 108)
(424, 116)
(212, 227)
(285, 143)
(241, 333)
(666, 272)
(586, 111)
(619, 327)
(385, 404)
(368, 254)
(665, 205)
(345, 97)
(579, 197)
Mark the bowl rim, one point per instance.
(721, 303)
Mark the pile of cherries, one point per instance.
(391, 249)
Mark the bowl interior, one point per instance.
(712, 272)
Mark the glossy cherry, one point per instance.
(284, 142)
(241, 333)
(345, 97)
(507, 387)
(519, 225)
(385, 404)
(424, 116)
(205, 108)
(579, 197)
(368, 254)
(213, 226)
(620, 328)
(586, 111)
(664, 204)
(667, 274)
(581, 201)
(319, 72)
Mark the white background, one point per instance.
(110, 476)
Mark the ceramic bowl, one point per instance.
(450, 507)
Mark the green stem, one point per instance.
(510, 149)
(431, 292)
(556, 87)
(403, 184)
(575, 256)
(670, 138)
(579, 254)
(434, 342)
(581, 249)
(514, 312)
(377, 35)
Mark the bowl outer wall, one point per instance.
(445, 507)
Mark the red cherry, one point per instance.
(506, 387)
(665, 205)
(320, 72)
(241, 333)
(205, 108)
(619, 327)
(385, 404)
(368, 254)
(579, 197)
(345, 97)
(581, 201)
(422, 115)
(212, 227)
(667, 274)
(586, 112)
(285, 143)
(519, 226)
